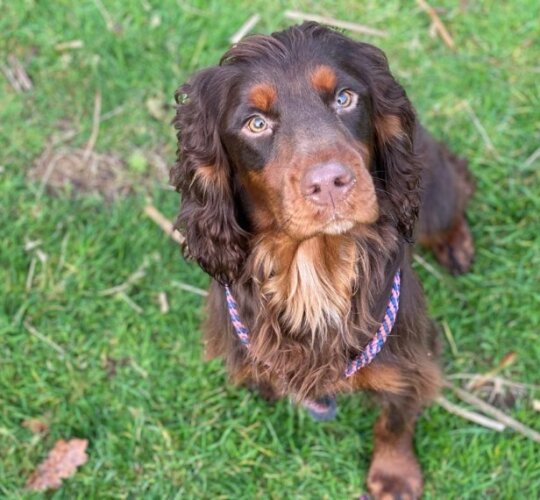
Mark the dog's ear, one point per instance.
(394, 122)
(396, 163)
(202, 175)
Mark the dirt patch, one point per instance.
(79, 172)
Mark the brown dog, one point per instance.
(302, 170)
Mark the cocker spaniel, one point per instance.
(305, 177)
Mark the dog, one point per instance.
(305, 179)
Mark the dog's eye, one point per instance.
(256, 125)
(345, 99)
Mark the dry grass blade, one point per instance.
(130, 302)
(507, 360)
(488, 409)
(531, 159)
(448, 334)
(17, 75)
(36, 333)
(164, 223)
(105, 14)
(30, 275)
(470, 415)
(358, 28)
(163, 303)
(95, 127)
(428, 267)
(479, 127)
(245, 28)
(69, 45)
(10, 77)
(436, 20)
(135, 276)
(190, 288)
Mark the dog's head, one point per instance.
(304, 132)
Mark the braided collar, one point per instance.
(372, 348)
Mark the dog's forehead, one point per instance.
(267, 86)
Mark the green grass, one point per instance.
(166, 425)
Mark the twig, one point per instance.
(481, 379)
(436, 20)
(358, 28)
(165, 224)
(95, 127)
(500, 380)
(245, 28)
(33, 331)
(190, 288)
(470, 415)
(494, 412)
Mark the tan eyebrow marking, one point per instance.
(263, 96)
(323, 78)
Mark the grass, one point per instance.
(165, 424)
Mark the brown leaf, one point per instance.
(36, 426)
(61, 463)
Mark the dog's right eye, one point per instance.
(256, 125)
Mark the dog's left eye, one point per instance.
(345, 99)
(256, 125)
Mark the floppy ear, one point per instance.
(397, 166)
(394, 124)
(202, 175)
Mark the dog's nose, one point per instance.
(327, 183)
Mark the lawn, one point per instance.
(114, 369)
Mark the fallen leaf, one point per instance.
(61, 463)
(36, 426)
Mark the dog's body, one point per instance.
(300, 165)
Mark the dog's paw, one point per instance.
(456, 252)
(395, 478)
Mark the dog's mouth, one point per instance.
(334, 221)
(338, 225)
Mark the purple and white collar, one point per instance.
(371, 350)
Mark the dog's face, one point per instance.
(299, 139)
(301, 133)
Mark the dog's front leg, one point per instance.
(394, 472)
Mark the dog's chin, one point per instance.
(338, 226)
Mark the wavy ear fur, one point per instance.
(394, 121)
(202, 175)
